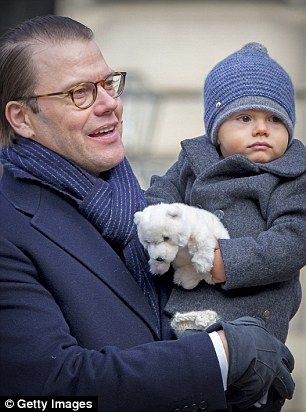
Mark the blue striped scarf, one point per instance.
(109, 203)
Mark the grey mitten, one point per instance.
(257, 362)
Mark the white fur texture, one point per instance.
(197, 320)
(183, 236)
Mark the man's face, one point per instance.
(258, 135)
(89, 137)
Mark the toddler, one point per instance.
(250, 171)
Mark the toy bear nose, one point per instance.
(160, 259)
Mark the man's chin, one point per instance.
(111, 161)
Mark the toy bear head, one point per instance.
(162, 230)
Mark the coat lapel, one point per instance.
(57, 219)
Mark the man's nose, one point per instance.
(261, 128)
(104, 102)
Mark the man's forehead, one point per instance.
(69, 62)
(73, 50)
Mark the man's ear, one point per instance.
(17, 115)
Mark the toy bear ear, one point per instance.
(174, 211)
(137, 217)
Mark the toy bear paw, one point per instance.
(186, 279)
(158, 267)
(208, 279)
(202, 264)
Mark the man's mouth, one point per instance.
(103, 131)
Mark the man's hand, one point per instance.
(257, 362)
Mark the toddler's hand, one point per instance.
(217, 272)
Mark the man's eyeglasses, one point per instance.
(84, 95)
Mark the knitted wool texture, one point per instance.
(248, 79)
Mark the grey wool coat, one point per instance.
(263, 208)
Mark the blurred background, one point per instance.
(167, 48)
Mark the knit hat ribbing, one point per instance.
(248, 79)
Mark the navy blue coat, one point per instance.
(74, 322)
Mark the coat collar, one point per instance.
(204, 158)
(56, 218)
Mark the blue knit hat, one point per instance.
(247, 79)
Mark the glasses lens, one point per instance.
(84, 95)
(114, 84)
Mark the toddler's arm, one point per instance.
(278, 253)
(171, 187)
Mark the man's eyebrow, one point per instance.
(73, 84)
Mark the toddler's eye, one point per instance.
(166, 238)
(275, 119)
(244, 118)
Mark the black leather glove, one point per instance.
(257, 361)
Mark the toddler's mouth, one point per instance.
(261, 145)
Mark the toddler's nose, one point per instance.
(260, 128)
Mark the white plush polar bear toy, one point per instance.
(183, 236)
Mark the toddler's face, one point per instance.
(258, 135)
